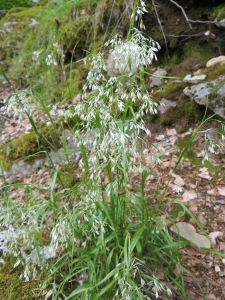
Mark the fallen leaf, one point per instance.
(160, 137)
(221, 190)
(179, 181)
(177, 189)
(188, 195)
(204, 174)
(214, 235)
(171, 131)
(212, 192)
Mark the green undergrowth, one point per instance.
(8, 4)
(218, 13)
(215, 71)
(192, 155)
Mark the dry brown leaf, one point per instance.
(189, 195)
(204, 174)
(221, 190)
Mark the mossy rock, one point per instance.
(28, 145)
(215, 71)
(185, 113)
(171, 90)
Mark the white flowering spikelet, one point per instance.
(18, 103)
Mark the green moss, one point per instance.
(176, 58)
(12, 288)
(193, 49)
(67, 174)
(22, 13)
(4, 159)
(76, 36)
(183, 142)
(176, 209)
(215, 71)
(170, 90)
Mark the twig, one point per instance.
(188, 21)
(157, 15)
(186, 36)
(218, 24)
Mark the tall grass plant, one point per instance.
(110, 244)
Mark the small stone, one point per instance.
(217, 269)
(165, 105)
(194, 79)
(179, 181)
(170, 132)
(193, 209)
(160, 137)
(157, 80)
(189, 195)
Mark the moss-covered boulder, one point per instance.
(28, 145)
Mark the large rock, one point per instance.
(187, 232)
(216, 60)
(211, 94)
